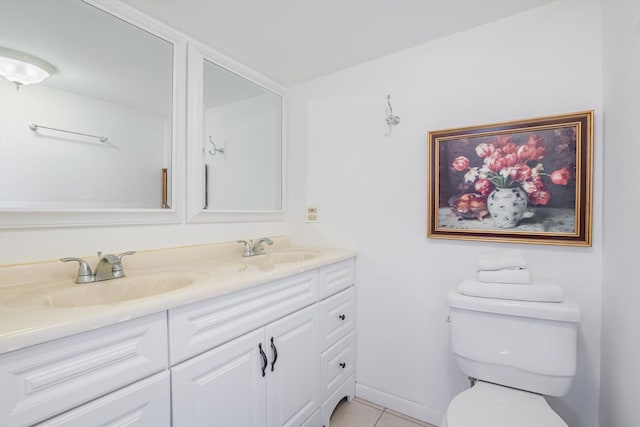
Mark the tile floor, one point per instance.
(360, 413)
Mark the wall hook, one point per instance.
(391, 119)
(216, 150)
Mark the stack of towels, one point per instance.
(505, 275)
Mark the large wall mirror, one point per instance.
(235, 141)
(96, 141)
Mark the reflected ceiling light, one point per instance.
(23, 69)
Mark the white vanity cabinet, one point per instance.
(39, 382)
(275, 354)
(224, 383)
(267, 377)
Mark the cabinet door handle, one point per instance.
(342, 317)
(275, 354)
(264, 359)
(342, 365)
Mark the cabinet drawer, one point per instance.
(146, 403)
(338, 364)
(336, 277)
(198, 327)
(337, 317)
(44, 380)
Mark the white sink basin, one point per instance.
(281, 258)
(98, 293)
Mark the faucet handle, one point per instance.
(257, 247)
(84, 271)
(248, 248)
(116, 267)
(125, 254)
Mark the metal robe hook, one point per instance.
(391, 119)
(215, 148)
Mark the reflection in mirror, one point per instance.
(242, 137)
(112, 80)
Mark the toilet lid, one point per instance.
(490, 405)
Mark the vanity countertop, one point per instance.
(211, 270)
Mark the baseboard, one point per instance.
(398, 404)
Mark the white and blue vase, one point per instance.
(507, 206)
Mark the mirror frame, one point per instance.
(11, 218)
(197, 53)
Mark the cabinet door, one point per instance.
(146, 403)
(293, 391)
(223, 387)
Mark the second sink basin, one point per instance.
(281, 257)
(98, 293)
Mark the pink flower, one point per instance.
(540, 197)
(520, 172)
(485, 150)
(535, 140)
(561, 176)
(511, 159)
(510, 147)
(460, 163)
(483, 186)
(502, 140)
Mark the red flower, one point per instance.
(496, 162)
(561, 176)
(460, 163)
(521, 172)
(483, 186)
(531, 152)
(539, 197)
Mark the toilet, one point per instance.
(515, 353)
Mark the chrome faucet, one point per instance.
(257, 246)
(109, 267)
(252, 249)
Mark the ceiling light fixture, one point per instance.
(23, 69)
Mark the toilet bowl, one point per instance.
(492, 405)
(516, 352)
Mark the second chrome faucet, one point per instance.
(252, 248)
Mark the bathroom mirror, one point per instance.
(234, 141)
(96, 142)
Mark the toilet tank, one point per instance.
(525, 345)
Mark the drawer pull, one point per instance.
(264, 360)
(275, 354)
(343, 365)
(342, 317)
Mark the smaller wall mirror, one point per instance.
(235, 141)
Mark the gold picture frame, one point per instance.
(524, 181)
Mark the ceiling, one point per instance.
(95, 54)
(292, 41)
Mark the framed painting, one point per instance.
(525, 181)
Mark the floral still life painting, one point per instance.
(525, 181)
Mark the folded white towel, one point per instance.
(514, 277)
(540, 291)
(505, 260)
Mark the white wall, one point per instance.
(621, 293)
(64, 170)
(370, 189)
(247, 175)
